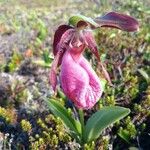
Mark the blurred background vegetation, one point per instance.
(26, 34)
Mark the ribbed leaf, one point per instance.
(102, 119)
(58, 110)
(80, 20)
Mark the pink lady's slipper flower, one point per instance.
(78, 80)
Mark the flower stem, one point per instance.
(81, 117)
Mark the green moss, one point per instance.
(129, 131)
(26, 125)
(8, 114)
(104, 142)
(110, 100)
(52, 132)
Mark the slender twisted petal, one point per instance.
(59, 35)
(61, 41)
(53, 72)
(91, 44)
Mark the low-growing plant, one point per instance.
(129, 132)
(52, 131)
(9, 115)
(13, 91)
(14, 62)
(79, 81)
(86, 133)
(26, 125)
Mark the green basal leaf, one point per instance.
(101, 120)
(80, 20)
(58, 110)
